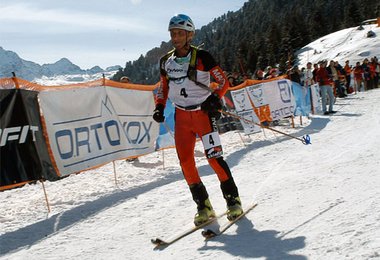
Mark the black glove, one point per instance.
(215, 114)
(212, 103)
(158, 113)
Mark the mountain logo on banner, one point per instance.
(107, 105)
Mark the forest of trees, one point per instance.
(261, 33)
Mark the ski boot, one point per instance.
(231, 195)
(204, 214)
(234, 208)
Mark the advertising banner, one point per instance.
(88, 127)
(277, 95)
(302, 98)
(316, 99)
(23, 152)
(245, 110)
(166, 134)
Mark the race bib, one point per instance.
(212, 145)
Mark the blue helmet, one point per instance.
(181, 21)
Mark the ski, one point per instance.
(207, 234)
(160, 243)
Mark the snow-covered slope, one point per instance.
(320, 201)
(349, 44)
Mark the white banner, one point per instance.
(88, 127)
(315, 99)
(245, 110)
(274, 100)
(277, 94)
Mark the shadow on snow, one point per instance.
(253, 243)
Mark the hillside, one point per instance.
(261, 33)
(351, 44)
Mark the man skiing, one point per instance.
(185, 79)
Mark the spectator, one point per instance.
(302, 76)
(267, 71)
(341, 78)
(125, 79)
(315, 69)
(272, 74)
(334, 75)
(366, 75)
(295, 74)
(372, 70)
(230, 78)
(237, 78)
(259, 74)
(377, 72)
(324, 82)
(358, 76)
(308, 76)
(347, 73)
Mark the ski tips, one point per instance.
(159, 243)
(207, 234)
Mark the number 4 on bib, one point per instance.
(212, 145)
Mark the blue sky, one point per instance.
(96, 32)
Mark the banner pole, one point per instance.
(311, 100)
(241, 138)
(15, 80)
(46, 198)
(114, 173)
(163, 159)
(168, 129)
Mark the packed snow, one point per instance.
(318, 201)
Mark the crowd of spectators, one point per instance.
(345, 79)
(334, 79)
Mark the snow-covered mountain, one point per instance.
(353, 44)
(11, 62)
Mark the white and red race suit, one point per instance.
(187, 96)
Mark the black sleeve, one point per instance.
(162, 64)
(207, 59)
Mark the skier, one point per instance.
(185, 78)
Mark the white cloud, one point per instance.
(136, 2)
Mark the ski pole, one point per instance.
(305, 139)
(168, 129)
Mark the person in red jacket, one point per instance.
(358, 76)
(185, 79)
(324, 81)
(347, 70)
